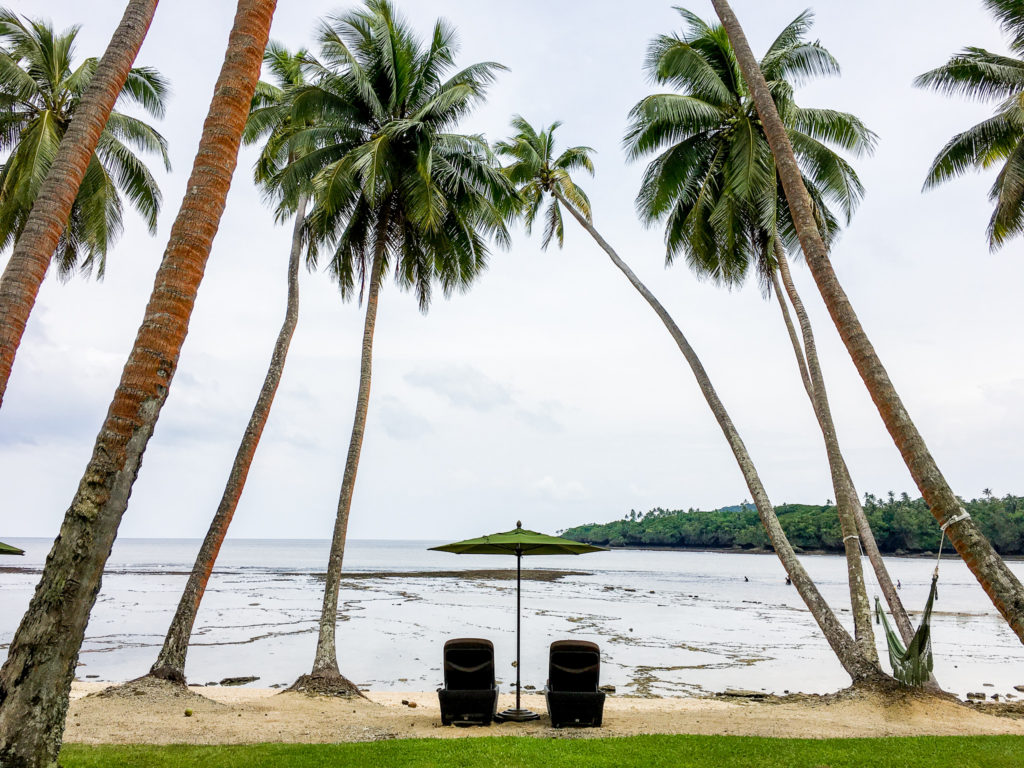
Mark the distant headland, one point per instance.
(902, 526)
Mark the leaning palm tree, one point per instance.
(539, 175)
(999, 141)
(36, 677)
(62, 181)
(998, 581)
(714, 183)
(395, 190)
(269, 121)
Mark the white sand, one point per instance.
(223, 715)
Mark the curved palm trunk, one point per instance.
(170, 663)
(1001, 585)
(846, 495)
(36, 678)
(48, 218)
(856, 664)
(867, 537)
(325, 662)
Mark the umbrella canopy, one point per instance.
(519, 541)
(7, 549)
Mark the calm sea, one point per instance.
(669, 623)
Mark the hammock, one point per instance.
(911, 665)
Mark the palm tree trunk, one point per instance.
(867, 538)
(170, 663)
(36, 678)
(846, 496)
(325, 662)
(1001, 585)
(48, 218)
(857, 665)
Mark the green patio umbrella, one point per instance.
(7, 549)
(519, 542)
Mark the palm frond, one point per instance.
(975, 73)
(1010, 15)
(1008, 194)
(980, 146)
(840, 129)
(666, 118)
(149, 89)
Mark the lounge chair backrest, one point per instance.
(468, 664)
(574, 665)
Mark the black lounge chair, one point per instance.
(470, 695)
(572, 695)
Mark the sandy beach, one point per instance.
(226, 715)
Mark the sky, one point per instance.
(549, 393)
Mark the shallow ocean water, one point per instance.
(668, 622)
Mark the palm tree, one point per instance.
(999, 141)
(715, 183)
(1001, 585)
(62, 181)
(36, 677)
(394, 190)
(269, 120)
(537, 173)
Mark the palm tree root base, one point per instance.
(333, 684)
(889, 689)
(879, 689)
(151, 686)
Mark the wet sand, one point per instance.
(676, 624)
(228, 715)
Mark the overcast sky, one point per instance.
(549, 393)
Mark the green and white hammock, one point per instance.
(912, 664)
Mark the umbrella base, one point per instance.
(516, 716)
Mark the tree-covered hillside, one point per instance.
(901, 525)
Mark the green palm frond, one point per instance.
(683, 172)
(98, 210)
(538, 174)
(140, 135)
(1008, 195)
(835, 179)
(132, 177)
(792, 34)
(976, 73)
(792, 58)
(146, 87)
(666, 118)
(576, 158)
(981, 146)
(375, 140)
(838, 129)
(712, 180)
(553, 226)
(40, 89)
(1010, 15)
(15, 82)
(671, 61)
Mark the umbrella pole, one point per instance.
(519, 614)
(518, 714)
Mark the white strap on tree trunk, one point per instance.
(964, 515)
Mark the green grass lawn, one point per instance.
(514, 752)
